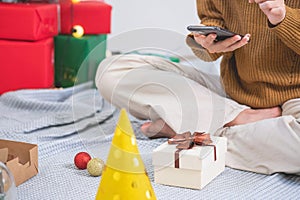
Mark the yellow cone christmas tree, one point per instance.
(124, 176)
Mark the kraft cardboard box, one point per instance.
(24, 21)
(21, 159)
(197, 166)
(26, 65)
(77, 59)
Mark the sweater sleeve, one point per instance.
(289, 29)
(209, 16)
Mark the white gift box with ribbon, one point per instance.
(190, 168)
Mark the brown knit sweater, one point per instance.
(265, 72)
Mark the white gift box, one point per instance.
(197, 166)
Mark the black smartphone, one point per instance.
(222, 33)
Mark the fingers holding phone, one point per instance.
(227, 45)
(216, 39)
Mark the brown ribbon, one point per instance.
(187, 141)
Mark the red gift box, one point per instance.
(26, 65)
(20, 21)
(94, 17)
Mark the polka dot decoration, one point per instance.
(124, 176)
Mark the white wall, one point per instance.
(169, 14)
(153, 25)
(129, 16)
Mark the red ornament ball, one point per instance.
(81, 159)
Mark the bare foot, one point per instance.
(253, 115)
(157, 129)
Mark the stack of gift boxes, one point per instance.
(26, 45)
(37, 49)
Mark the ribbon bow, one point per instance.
(187, 141)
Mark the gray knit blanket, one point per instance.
(64, 122)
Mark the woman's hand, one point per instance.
(227, 45)
(273, 9)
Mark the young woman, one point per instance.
(256, 102)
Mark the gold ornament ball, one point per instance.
(95, 166)
(77, 31)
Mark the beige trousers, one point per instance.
(190, 100)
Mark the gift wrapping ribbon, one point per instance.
(186, 141)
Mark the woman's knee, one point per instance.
(111, 70)
(105, 76)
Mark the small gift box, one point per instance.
(93, 16)
(190, 161)
(20, 21)
(77, 59)
(26, 65)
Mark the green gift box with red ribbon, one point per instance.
(189, 160)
